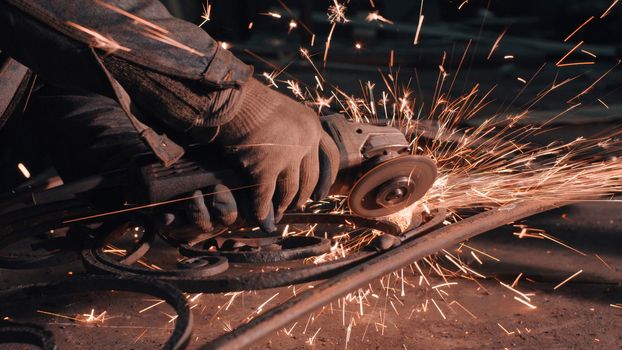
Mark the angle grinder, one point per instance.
(377, 172)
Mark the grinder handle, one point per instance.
(152, 182)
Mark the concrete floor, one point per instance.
(465, 314)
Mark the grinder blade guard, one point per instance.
(376, 167)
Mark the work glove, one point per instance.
(281, 148)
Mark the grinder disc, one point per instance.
(392, 186)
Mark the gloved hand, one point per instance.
(281, 147)
(278, 143)
(202, 215)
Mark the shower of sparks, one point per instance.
(374, 16)
(480, 167)
(483, 166)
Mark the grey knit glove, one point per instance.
(280, 146)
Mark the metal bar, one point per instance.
(360, 275)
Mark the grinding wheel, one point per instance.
(392, 186)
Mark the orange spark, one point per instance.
(603, 261)
(568, 279)
(271, 14)
(374, 16)
(505, 330)
(603, 103)
(578, 28)
(292, 25)
(568, 53)
(439, 309)
(609, 9)
(207, 10)
(576, 64)
(416, 41)
(496, 44)
(22, 168)
(531, 306)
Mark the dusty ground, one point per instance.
(479, 314)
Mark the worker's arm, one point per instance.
(177, 74)
(52, 37)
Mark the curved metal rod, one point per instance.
(26, 333)
(378, 266)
